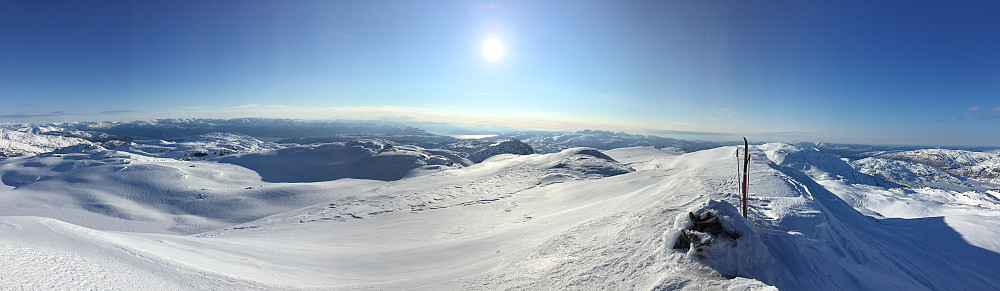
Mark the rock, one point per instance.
(705, 228)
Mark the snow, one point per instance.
(981, 166)
(904, 172)
(376, 214)
(14, 143)
(203, 146)
(510, 146)
(116, 190)
(550, 142)
(368, 159)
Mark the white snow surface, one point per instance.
(90, 218)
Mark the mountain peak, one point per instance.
(510, 146)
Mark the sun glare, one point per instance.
(492, 49)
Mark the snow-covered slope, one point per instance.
(577, 219)
(484, 183)
(510, 146)
(117, 190)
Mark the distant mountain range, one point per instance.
(186, 138)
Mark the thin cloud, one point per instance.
(62, 114)
(976, 113)
(37, 115)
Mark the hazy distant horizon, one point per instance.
(465, 131)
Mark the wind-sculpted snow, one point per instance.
(823, 243)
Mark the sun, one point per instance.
(492, 49)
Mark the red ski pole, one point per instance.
(746, 165)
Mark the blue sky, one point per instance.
(876, 72)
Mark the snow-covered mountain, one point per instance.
(904, 172)
(305, 132)
(940, 158)
(980, 166)
(819, 164)
(548, 142)
(510, 146)
(204, 146)
(14, 143)
(987, 170)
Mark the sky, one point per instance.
(869, 72)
